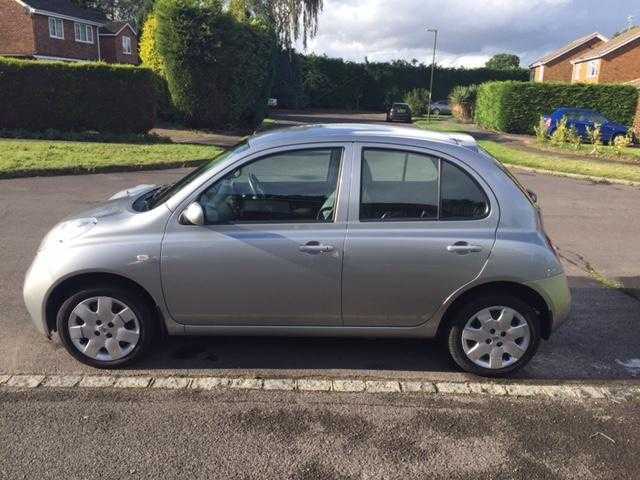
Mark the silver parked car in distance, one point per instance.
(326, 230)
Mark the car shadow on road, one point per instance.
(599, 341)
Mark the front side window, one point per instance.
(56, 28)
(289, 187)
(407, 186)
(126, 45)
(84, 33)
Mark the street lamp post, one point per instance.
(433, 66)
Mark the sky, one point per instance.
(470, 31)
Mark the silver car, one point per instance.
(326, 230)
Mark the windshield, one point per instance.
(165, 192)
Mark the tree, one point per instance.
(292, 19)
(219, 70)
(134, 11)
(503, 61)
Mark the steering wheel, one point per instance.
(256, 186)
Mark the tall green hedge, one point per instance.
(39, 96)
(219, 69)
(516, 107)
(323, 82)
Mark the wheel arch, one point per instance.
(68, 286)
(523, 292)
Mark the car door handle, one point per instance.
(463, 248)
(316, 247)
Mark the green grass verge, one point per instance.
(545, 161)
(441, 124)
(19, 158)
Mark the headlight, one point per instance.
(67, 231)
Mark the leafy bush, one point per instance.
(565, 135)
(516, 107)
(152, 59)
(38, 96)
(464, 94)
(219, 70)
(368, 85)
(149, 54)
(542, 131)
(418, 100)
(595, 138)
(463, 102)
(622, 142)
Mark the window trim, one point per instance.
(53, 33)
(418, 151)
(341, 183)
(124, 50)
(77, 30)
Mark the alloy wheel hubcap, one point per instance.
(496, 337)
(104, 328)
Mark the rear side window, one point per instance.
(461, 198)
(407, 186)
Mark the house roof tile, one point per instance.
(568, 48)
(114, 28)
(66, 8)
(610, 46)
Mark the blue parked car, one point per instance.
(582, 119)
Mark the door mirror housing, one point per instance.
(193, 215)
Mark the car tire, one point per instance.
(464, 325)
(436, 112)
(612, 142)
(121, 321)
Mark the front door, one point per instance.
(420, 228)
(270, 252)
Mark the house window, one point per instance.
(593, 69)
(126, 45)
(84, 33)
(56, 28)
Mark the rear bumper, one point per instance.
(555, 291)
(400, 118)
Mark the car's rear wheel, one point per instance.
(106, 327)
(614, 138)
(493, 335)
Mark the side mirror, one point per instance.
(193, 215)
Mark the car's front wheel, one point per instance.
(105, 326)
(493, 335)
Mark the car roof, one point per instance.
(356, 132)
(576, 110)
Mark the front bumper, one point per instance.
(555, 291)
(37, 284)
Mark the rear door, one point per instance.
(420, 227)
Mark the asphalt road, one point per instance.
(48, 434)
(598, 222)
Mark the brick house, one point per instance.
(58, 30)
(556, 66)
(616, 61)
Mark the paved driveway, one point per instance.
(600, 341)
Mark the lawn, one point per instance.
(595, 168)
(37, 157)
